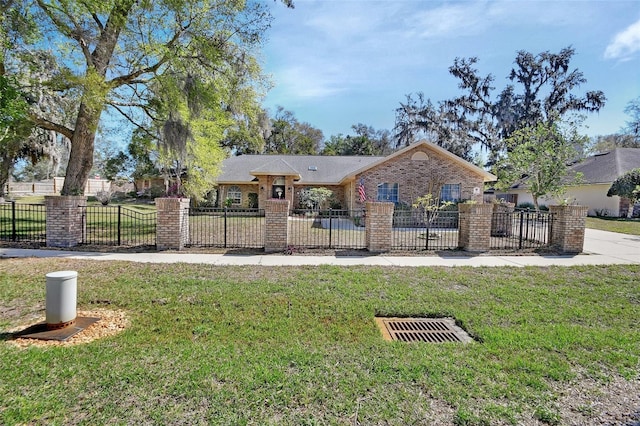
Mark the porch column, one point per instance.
(172, 226)
(64, 218)
(475, 227)
(567, 233)
(379, 226)
(276, 216)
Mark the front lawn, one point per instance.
(615, 224)
(299, 345)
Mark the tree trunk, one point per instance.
(81, 155)
(5, 168)
(535, 203)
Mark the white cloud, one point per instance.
(309, 82)
(451, 20)
(625, 43)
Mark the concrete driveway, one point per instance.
(621, 247)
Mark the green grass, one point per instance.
(273, 345)
(615, 224)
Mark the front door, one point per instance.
(278, 188)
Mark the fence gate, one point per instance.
(327, 229)
(226, 227)
(520, 230)
(118, 226)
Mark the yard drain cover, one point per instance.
(430, 330)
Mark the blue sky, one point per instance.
(336, 63)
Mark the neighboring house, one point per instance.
(598, 173)
(150, 184)
(402, 177)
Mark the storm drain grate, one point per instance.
(430, 330)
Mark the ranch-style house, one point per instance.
(402, 177)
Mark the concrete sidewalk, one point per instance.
(600, 248)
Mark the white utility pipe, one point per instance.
(61, 299)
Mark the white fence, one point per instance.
(53, 187)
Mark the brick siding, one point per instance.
(568, 228)
(65, 224)
(276, 214)
(172, 232)
(414, 175)
(475, 227)
(378, 226)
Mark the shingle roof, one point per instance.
(607, 166)
(602, 168)
(319, 169)
(312, 169)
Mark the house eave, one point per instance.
(296, 176)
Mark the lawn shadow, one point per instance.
(5, 335)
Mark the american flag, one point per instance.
(363, 195)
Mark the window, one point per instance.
(388, 192)
(450, 192)
(235, 195)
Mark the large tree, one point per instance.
(542, 90)
(538, 157)
(616, 140)
(632, 127)
(115, 51)
(287, 135)
(14, 127)
(365, 141)
(22, 90)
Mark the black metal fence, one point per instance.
(418, 230)
(118, 226)
(327, 229)
(245, 228)
(23, 222)
(226, 227)
(520, 230)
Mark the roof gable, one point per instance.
(486, 176)
(276, 167)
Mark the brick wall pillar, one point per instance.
(276, 216)
(475, 227)
(378, 226)
(65, 224)
(567, 232)
(172, 226)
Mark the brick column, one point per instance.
(65, 224)
(567, 232)
(276, 216)
(172, 226)
(378, 226)
(475, 227)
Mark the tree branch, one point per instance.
(129, 78)
(50, 125)
(73, 33)
(131, 120)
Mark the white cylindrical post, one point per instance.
(61, 299)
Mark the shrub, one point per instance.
(525, 206)
(104, 197)
(252, 200)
